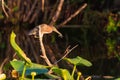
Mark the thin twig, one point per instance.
(73, 15)
(67, 51)
(44, 56)
(55, 17)
(3, 63)
(3, 7)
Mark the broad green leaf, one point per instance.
(18, 50)
(79, 61)
(19, 65)
(64, 73)
(117, 79)
(49, 76)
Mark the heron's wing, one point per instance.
(34, 31)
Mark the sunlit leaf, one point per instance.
(64, 73)
(18, 50)
(79, 61)
(19, 65)
(117, 79)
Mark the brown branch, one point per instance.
(67, 51)
(45, 16)
(43, 3)
(3, 7)
(2, 64)
(44, 56)
(31, 10)
(55, 17)
(33, 17)
(53, 10)
(45, 12)
(73, 15)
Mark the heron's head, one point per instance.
(55, 30)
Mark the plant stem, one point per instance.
(33, 74)
(74, 68)
(23, 73)
(79, 74)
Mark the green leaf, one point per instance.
(79, 61)
(51, 76)
(117, 79)
(19, 65)
(18, 50)
(64, 73)
(111, 25)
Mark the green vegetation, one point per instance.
(92, 25)
(25, 67)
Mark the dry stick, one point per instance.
(67, 51)
(31, 11)
(1, 66)
(3, 7)
(45, 12)
(55, 17)
(73, 15)
(44, 56)
(45, 16)
(53, 10)
(33, 17)
(43, 3)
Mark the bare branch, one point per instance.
(43, 3)
(73, 15)
(67, 51)
(3, 63)
(3, 7)
(53, 10)
(31, 11)
(44, 56)
(55, 17)
(45, 12)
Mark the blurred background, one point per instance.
(96, 30)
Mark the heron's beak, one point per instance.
(55, 30)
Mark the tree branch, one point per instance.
(3, 7)
(44, 56)
(31, 11)
(67, 51)
(73, 15)
(43, 3)
(53, 10)
(55, 17)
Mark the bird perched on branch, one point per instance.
(40, 30)
(44, 29)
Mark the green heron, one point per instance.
(45, 29)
